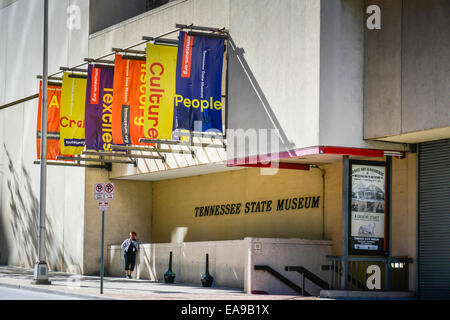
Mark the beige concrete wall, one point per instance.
(174, 203)
(130, 210)
(333, 206)
(231, 263)
(278, 253)
(404, 212)
(226, 261)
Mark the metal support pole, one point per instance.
(40, 267)
(101, 259)
(345, 211)
(389, 229)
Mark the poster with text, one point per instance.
(367, 209)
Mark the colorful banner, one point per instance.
(160, 92)
(99, 99)
(53, 108)
(199, 83)
(73, 98)
(129, 101)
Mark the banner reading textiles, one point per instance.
(73, 98)
(160, 92)
(129, 101)
(99, 98)
(53, 106)
(199, 82)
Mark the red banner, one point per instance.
(129, 101)
(53, 107)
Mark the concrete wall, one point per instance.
(278, 253)
(231, 263)
(274, 70)
(226, 261)
(20, 61)
(175, 200)
(407, 72)
(130, 210)
(342, 25)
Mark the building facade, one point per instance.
(309, 86)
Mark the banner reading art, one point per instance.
(199, 83)
(99, 98)
(129, 101)
(161, 71)
(53, 111)
(73, 98)
(368, 208)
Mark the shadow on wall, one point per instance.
(247, 101)
(24, 207)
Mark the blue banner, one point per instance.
(199, 83)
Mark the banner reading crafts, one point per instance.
(160, 91)
(73, 98)
(99, 98)
(199, 83)
(129, 101)
(53, 106)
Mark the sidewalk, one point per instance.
(88, 287)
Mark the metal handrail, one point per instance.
(309, 275)
(282, 278)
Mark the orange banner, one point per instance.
(53, 107)
(129, 101)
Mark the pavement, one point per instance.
(88, 287)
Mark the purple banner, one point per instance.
(98, 116)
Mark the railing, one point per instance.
(305, 273)
(283, 279)
(359, 272)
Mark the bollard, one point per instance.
(207, 279)
(169, 276)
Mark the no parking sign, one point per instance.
(109, 191)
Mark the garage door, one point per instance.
(434, 220)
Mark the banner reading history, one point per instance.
(53, 114)
(160, 92)
(368, 203)
(99, 99)
(199, 83)
(129, 101)
(72, 128)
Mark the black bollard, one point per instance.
(169, 276)
(207, 279)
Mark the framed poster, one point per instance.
(369, 196)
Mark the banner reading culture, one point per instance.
(129, 101)
(99, 98)
(160, 91)
(53, 110)
(368, 208)
(72, 113)
(199, 83)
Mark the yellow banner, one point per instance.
(73, 100)
(160, 91)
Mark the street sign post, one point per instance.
(103, 192)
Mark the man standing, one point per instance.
(130, 247)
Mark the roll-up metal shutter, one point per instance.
(434, 220)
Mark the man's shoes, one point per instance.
(128, 276)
